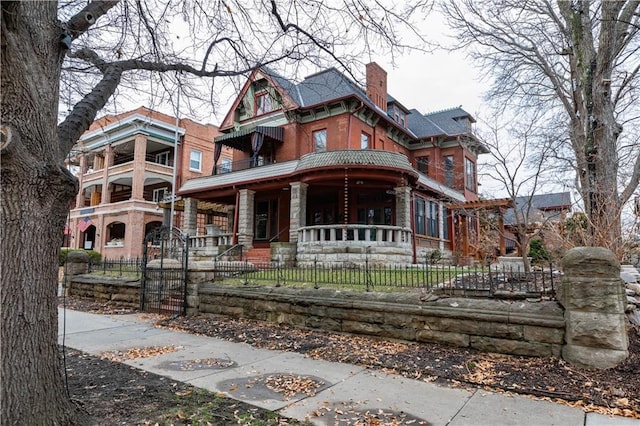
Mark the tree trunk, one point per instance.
(36, 191)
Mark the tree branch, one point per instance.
(83, 20)
(632, 186)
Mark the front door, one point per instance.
(266, 220)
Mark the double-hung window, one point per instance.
(264, 103)
(195, 161)
(364, 141)
(470, 174)
(320, 140)
(448, 171)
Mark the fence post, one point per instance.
(593, 297)
(315, 273)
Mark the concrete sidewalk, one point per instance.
(239, 371)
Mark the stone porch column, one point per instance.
(297, 209)
(139, 155)
(166, 217)
(245, 217)
(593, 297)
(231, 217)
(403, 206)
(190, 225)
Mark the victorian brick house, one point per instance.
(325, 170)
(125, 167)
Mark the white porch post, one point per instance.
(297, 209)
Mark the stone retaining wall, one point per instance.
(125, 291)
(522, 328)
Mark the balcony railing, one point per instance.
(341, 233)
(248, 163)
(150, 158)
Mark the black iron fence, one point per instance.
(116, 267)
(498, 282)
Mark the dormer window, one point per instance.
(397, 115)
(264, 103)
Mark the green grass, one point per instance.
(377, 279)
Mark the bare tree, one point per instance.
(574, 60)
(98, 46)
(518, 162)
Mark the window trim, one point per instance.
(263, 95)
(365, 136)
(315, 145)
(424, 161)
(449, 173)
(193, 169)
(470, 184)
(159, 155)
(159, 194)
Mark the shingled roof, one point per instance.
(539, 203)
(331, 84)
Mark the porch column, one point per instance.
(231, 217)
(83, 170)
(190, 225)
(166, 217)
(245, 217)
(108, 161)
(139, 155)
(503, 245)
(403, 207)
(441, 225)
(298, 209)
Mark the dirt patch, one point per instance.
(112, 393)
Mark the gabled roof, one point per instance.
(330, 84)
(536, 205)
(319, 88)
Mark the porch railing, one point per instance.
(203, 241)
(342, 233)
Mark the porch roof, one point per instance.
(427, 182)
(241, 139)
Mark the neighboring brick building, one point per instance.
(324, 170)
(125, 169)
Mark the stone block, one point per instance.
(406, 333)
(596, 294)
(596, 330)
(324, 323)
(358, 327)
(593, 262)
(356, 315)
(543, 334)
(435, 336)
(590, 357)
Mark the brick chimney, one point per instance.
(377, 85)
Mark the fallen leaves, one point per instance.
(349, 414)
(290, 385)
(135, 353)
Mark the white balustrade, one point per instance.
(345, 233)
